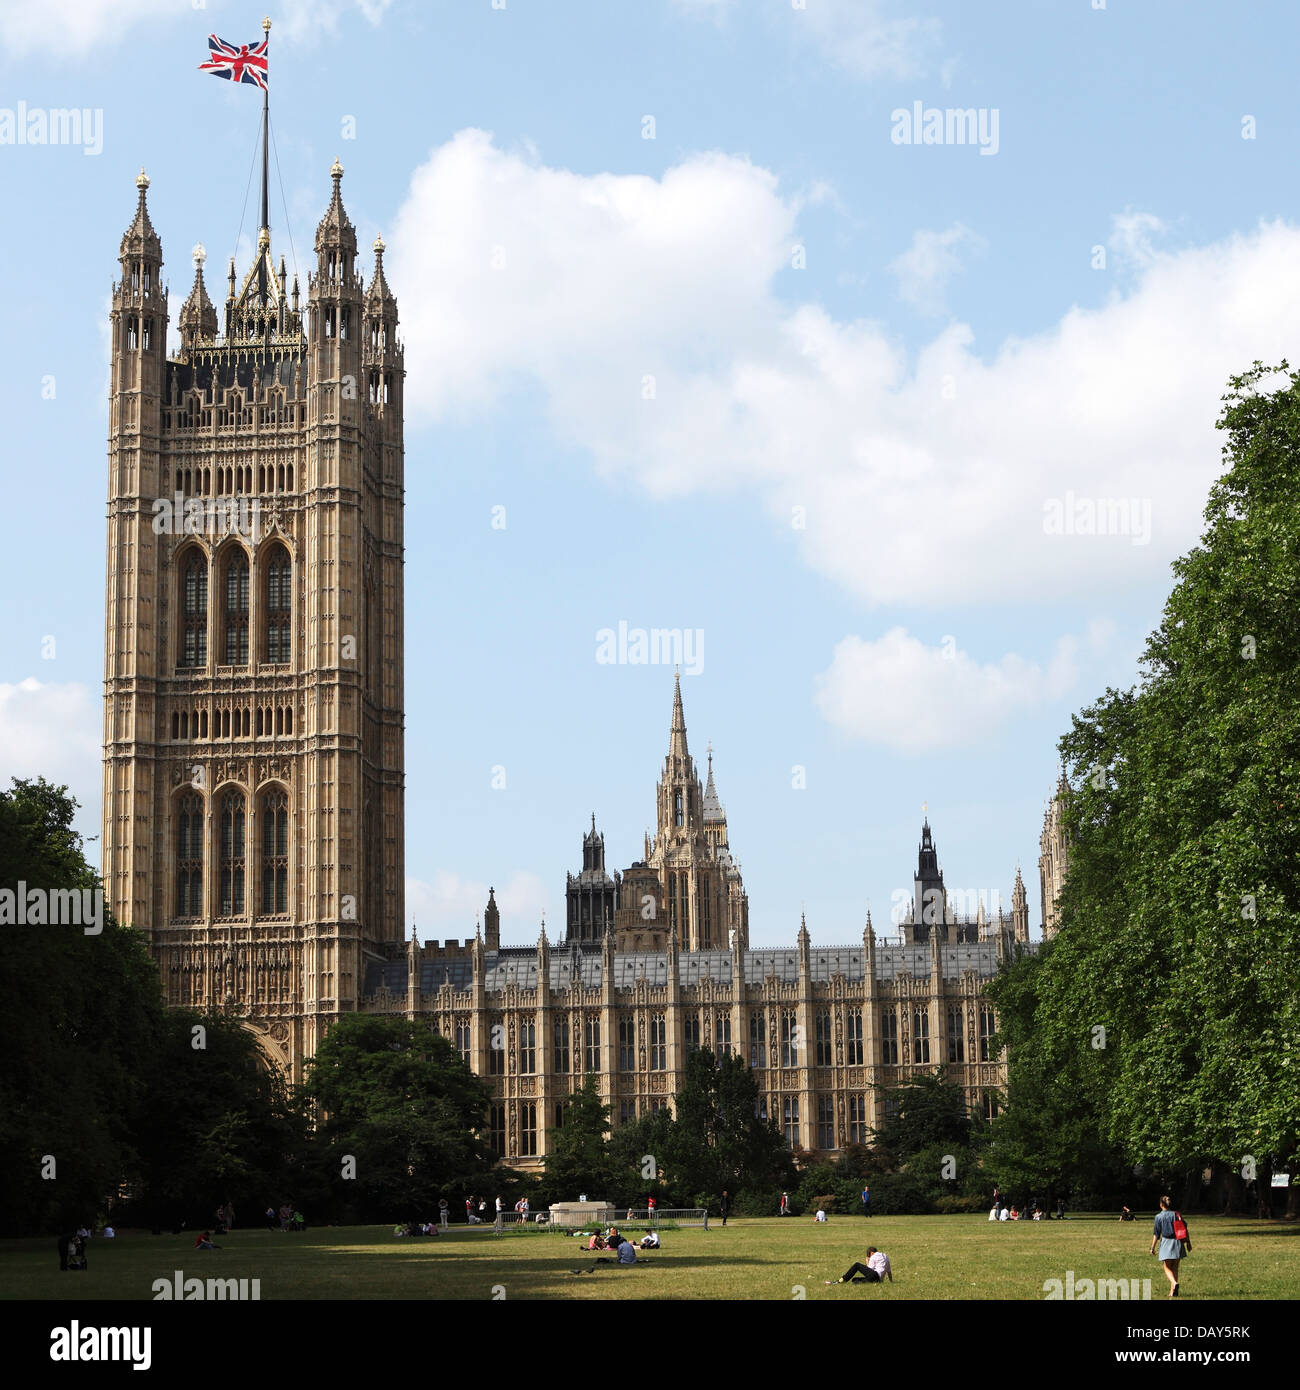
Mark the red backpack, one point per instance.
(1180, 1227)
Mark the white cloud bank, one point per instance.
(76, 28)
(900, 694)
(648, 311)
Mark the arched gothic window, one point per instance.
(279, 605)
(275, 854)
(189, 856)
(236, 612)
(194, 611)
(232, 854)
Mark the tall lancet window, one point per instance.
(189, 856)
(236, 651)
(275, 854)
(194, 611)
(232, 854)
(279, 606)
(677, 809)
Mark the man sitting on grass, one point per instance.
(876, 1270)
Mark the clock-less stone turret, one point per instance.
(253, 761)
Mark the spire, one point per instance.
(677, 734)
(492, 921)
(379, 291)
(713, 809)
(140, 239)
(334, 229)
(198, 319)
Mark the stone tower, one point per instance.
(253, 721)
(591, 895)
(1053, 855)
(704, 900)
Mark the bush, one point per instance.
(757, 1202)
(952, 1205)
(900, 1194)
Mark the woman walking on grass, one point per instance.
(1172, 1247)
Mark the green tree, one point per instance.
(1049, 1138)
(578, 1158)
(217, 1125)
(1171, 995)
(78, 1013)
(925, 1112)
(399, 1102)
(638, 1153)
(718, 1138)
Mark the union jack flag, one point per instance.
(237, 62)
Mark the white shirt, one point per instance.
(879, 1262)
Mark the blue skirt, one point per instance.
(1170, 1249)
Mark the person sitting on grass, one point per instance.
(650, 1241)
(821, 1215)
(876, 1270)
(204, 1242)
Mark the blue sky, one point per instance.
(877, 368)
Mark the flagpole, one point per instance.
(265, 238)
(266, 119)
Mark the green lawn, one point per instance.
(934, 1257)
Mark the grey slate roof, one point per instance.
(518, 965)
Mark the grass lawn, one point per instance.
(934, 1257)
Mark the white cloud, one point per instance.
(77, 28)
(924, 478)
(898, 693)
(1132, 237)
(857, 35)
(448, 906)
(933, 258)
(52, 731)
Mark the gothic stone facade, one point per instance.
(252, 810)
(629, 1002)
